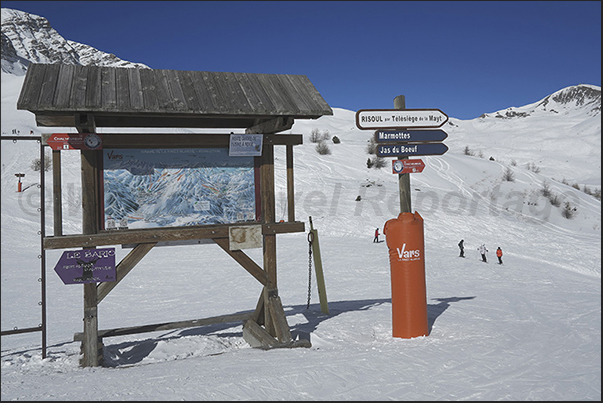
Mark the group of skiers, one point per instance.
(482, 250)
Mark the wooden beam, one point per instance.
(177, 140)
(168, 325)
(244, 260)
(124, 267)
(274, 125)
(151, 235)
(257, 336)
(281, 327)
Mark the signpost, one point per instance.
(407, 166)
(87, 266)
(402, 143)
(400, 118)
(393, 150)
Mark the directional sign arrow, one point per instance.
(74, 141)
(400, 118)
(87, 266)
(397, 136)
(407, 166)
(393, 150)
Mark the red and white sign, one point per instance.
(407, 166)
(75, 141)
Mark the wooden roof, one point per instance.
(131, 97)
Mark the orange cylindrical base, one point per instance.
(405, 239)
(19, 187)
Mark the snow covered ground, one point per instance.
(527, 330)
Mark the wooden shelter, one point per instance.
(88, 97)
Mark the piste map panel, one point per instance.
(172, 187)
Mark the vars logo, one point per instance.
(407, 255)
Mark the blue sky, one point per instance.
(463, 57)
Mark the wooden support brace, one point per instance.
(257, 336)
(244, 260)
(124, 268)
(277, 313)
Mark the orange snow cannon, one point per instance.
(405, 239)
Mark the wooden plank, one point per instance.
(264, 100)
(175, 89)
(93, 89)
(205, 99)
(78, 88)
(62, 97)
(281, 327)
(297, 88)
(150, 235)
(135, 89)
(124, 267)
(211, 84)
(239, 103)
(165, 102)
(244, 260)
(178, 140)
(46, 97)
(257, 336)
(258, 313)
(248, 92)
(122, 89)
(188, 90)
(147, 81)
(236, 317)
(273, 125)
(108, 89)
(28, 98)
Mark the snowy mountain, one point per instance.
(529, 329)
(28, 38)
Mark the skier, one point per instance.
(462, 248)
(499, 255)
(376, 239)
(482, 249)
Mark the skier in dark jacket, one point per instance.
(462, 248)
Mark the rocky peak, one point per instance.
(29, 38)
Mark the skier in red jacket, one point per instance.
(499, 255)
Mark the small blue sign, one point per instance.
(394, 150)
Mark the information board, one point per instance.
(173, 187)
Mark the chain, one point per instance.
(310, 239)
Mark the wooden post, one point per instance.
(90, 214)
(403, 179)
(268, 214)
(320, 279)
(56, 193)
(290, 191)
